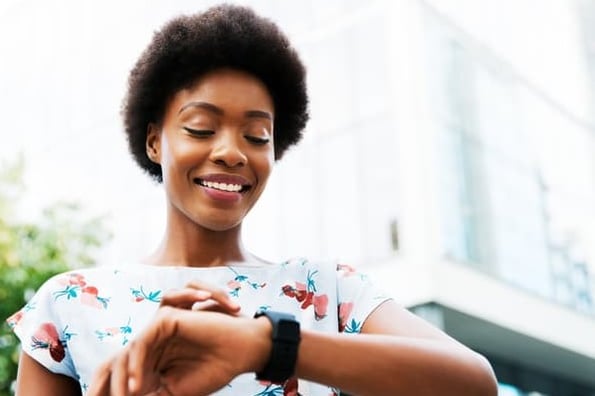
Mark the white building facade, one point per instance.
(452, 155)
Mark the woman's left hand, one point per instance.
(198, 295)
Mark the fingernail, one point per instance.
(131, 385)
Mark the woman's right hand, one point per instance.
(201, 296)
(185, 353)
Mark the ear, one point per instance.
(153, 143)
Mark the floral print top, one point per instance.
(80, 318)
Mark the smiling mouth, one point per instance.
(228, 187)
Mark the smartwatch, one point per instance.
(286, 340)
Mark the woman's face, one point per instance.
(215, 147)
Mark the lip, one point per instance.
(221, 195)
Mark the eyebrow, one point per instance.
(214, 109)
(203, 105)
(259, 114)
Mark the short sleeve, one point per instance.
(43, 334)
(357, 298)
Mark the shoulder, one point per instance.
(328, 269)
(93, 287)
(78, 275)
(77, 279)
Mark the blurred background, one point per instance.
(450, 154)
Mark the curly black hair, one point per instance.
(189, 46)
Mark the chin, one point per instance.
(219, 226)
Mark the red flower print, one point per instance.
(139, 295)
(344, 312)
(306, 298)
(234, 284)
(346, 269)
(109, 332)
(15, 319)
(303, 294)
(112, 331)
(90, 296)
(92, 290)
(290, 388)
(46, 337)
(306, 294)
(288, 290)
(73, 279)
(300, 286)
(300, 293)
(320, 306)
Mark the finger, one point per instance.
(212, 306)
(119, 377)
(184, 298)
(101, 380)
(136, 364)
(217, 294)
(145, 353)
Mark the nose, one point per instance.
(227, 151)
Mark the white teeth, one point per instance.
(222, 186)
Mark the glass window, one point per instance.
(492, 196)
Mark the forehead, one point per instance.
(228, 89)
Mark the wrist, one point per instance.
(260, 344)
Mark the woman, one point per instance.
(214, 100)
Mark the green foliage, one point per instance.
(31, 253)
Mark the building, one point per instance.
(451, 154)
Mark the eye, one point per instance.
(260, 141)
(201, 133)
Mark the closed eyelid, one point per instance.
(259, 140)
(199, 132)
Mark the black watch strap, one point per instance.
(284, 351)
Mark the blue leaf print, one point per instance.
(271, 390)
(70, 292)
(353, 327)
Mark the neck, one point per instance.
(188, 244)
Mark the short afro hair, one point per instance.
(188, 46)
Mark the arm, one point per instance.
(190, 353)
(34, 379)
(397, 353)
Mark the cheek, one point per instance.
(266, 166)
(182, 156)
(177, 163)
